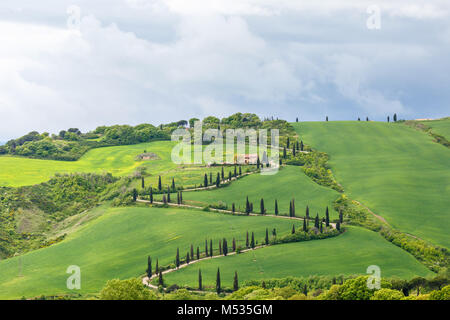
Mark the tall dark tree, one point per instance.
(149, 267)
(267, 236)
(234, 245)
(395, 117)
(321, 227)
(293, 207)
(367, 118)
(198, 253)
(284, 152)
(235, 172)
(263, 210)
(276, 207)
(164, 198)
(159, 183)
(135, 195)
(229, 175)
(160, 279)
(157, 267)
(188, 258)
(304, 225)
(233, 207)
(338, 226)
(220, 247)
(307, 212)
(168, 195)
(151, 194)
(293, 229)
(341, 216)
(205, 181)
(258, 163)
(210, 178)
(293, 150)
(177, 259)
(316, 221)
(359, 119)
(326, 119)
(287, 143)
(200, 286)
(223, 175)
(388, 119)
(142, 182)
(173, 184)
(218, 180)
(247, 206)
(206, 248)
(218, 286)
(235, 282)
(225, 247)
(181, 197)
(211, 252)
(302, 146)
(296, 119)
(252, 243)
(192, 252)
(178, 198)
(327, 217)
(290, 208)
(274, 232)
(240, 171)
(247, 241)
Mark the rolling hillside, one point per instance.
(350, 253)
(396, 171)
(441, 126)
(116, 245)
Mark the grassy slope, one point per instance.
(350, 253)
(441, 127)
(116, 245)
(290, 182)
(398, 172)
(16, 171)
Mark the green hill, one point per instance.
(116, 245)
(350, 253)
(441, 126)
(396, 171)
(289, 183)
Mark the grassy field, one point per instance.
(290, 182)
(16, 171)
(117, 243)
(396, 171)
(350, 253)
(441, 127)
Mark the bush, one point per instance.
(131, 289)
(387, 294)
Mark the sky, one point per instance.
(87, 63)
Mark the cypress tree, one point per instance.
(252, 244)
(143, 182)
(251, 206)
(159, 183)
(395, 117)
(168, 195)
(293, 150)
(276, 207)
(188, 258)
(247, 206)
(246, 241)
(149, 267)
(258, 163)
(135, 195)
(160, 279)
(218, 180)
(301, 145)
(367, 118)
(240, 170)
(293, 207)
(338, 226)
(287, 143)
(267, 236)
(233, 208)
(206, 248)
(218, 287)
(316, 221)
(178, 198)
(173, 184)
(321, 227)
(234, 245)
(223, 175)
(263, 210)
(229, 175)
(164, 198)
(157, 267)
(210, 249)
(200, 287)
(151, 194)
(205, 182)
(298, 146)
(177, 258)
(235, 282)
(341, 216)
(225, 247)
(327, 218)
(290, 208)
(198, 253)
(304, 225)
(305, 290)
(181, 197)
(284, 152)
(359, 119)
(210, 178)
(293, 229)
(307, 212)
(296, 119)
(192, 252)
(388, 119)
(235, 171)
(220, 247)
(326, 119)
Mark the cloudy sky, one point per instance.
(87, 63)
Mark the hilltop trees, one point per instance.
(395, 117)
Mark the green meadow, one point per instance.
(348, 254)
(117, 243)
(396, 171)
(441, 126)
(288, 183)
